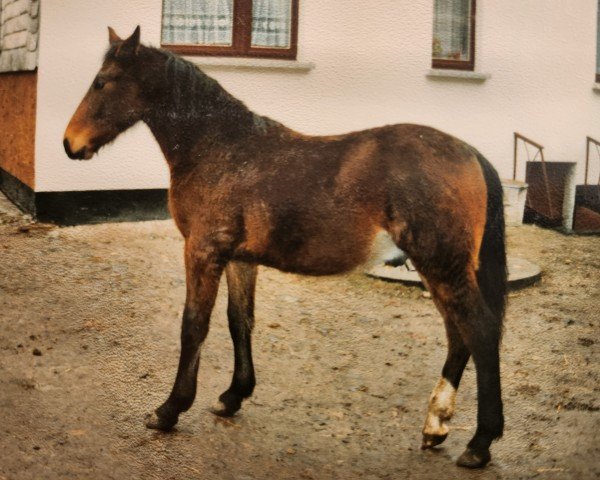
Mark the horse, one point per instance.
(246, 190)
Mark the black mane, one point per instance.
(192, 91)
(182, 94)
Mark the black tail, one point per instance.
(492, 274)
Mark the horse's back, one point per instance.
(423, 186)
(315, 205)
(322, 201)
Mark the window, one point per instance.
(241, 28)
(453, 43)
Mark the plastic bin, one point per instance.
(515, 194)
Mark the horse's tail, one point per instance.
(492, 274)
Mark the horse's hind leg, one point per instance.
(241, 282)
(481, 332)
(443, 396)
(472, 328)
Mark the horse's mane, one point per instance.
(187, 92)
(190, 84)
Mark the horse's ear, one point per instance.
(113, 37)
(132, 44)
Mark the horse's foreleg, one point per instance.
(202, 280)
(443, 396)
(241, 282)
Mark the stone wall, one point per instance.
(19, 33)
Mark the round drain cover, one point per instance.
(521, 273)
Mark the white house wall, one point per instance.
(371, 61)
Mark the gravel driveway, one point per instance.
(89, 344)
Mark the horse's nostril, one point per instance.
(79, 154)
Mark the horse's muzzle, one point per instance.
(84, 153)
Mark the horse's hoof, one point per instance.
(228, 405)
(430, 441)
(472, 459)
(221, 410)
(160, 423)
(225, 409)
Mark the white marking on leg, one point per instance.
(441, 408)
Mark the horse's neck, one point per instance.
(182, 132)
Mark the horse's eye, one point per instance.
(99, 84)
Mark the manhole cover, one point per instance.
(521, 273)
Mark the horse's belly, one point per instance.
(327, 256)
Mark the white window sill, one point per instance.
(251, 63)
(458, 74)
(596, 87)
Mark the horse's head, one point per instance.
(113, 102)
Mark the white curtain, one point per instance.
(451, 25)
(271, 23)
(197, 22)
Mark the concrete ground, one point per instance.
(89, 344)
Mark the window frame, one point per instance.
(598, 44)
(459, 64)
(241, 45)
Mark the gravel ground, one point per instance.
(89, 344)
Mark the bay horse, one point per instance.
(247, 191)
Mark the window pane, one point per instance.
(197, 22)
(271, 23)
(451, 29)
